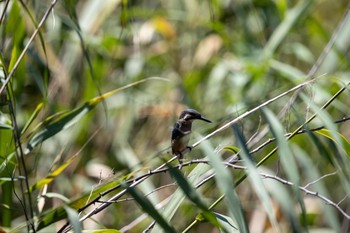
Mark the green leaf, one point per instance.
(227, 223)
(284, 151)
(200, 218)
(226, 185)
(343, 158)
(293, 74)
(57, 196)
(280, 33)
(178, 197)
(73, 219)
(283, 196)
(8, 163)
(50, 177)
(147, 206)
(66, 120)
(232, 149)
(14, 56)
(32, 118)
(287, 160)
(255, 178)
(50, 217)
(192, 194)
(7, 202)
(345, 145)
(59, 213)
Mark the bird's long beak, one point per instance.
(205, 119)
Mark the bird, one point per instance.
(180, 135)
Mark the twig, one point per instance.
(304, 188)
(268, 141)
(315, 66)
(4, 11)
(343, 199)
(263, 160)
(161, 169)
(146, 195)
(321, 178)
(150, 227)
(31, 39)
(22, 169)
(307, 191)
(102, 206)
(230, 123)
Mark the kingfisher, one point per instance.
(181, 132)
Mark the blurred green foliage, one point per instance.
(93, 100)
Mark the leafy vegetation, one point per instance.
(90, 90)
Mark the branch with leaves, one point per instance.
(230, 162)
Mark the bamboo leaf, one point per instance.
(73, 219)
(227, 223)
(280, 33)
(57, 214)
(255, 178)
(287, 160)
(32, 117)
(232, 149)
(178, 197)
(226, 185)
(284, 151)
(50, 177)
(193, 195)
(345, 145)
(68, 119)
(147, 206)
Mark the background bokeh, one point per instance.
(220, 57)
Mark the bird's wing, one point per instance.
(177, 133)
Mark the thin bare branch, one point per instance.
(307, 191)
(31, 39)
(230, 123)
(161, 169)
(319, 179)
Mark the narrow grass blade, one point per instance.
(345, 145)
(193, 195)
(280, 33)
(227, 223)
(73, 219)
(32, 118)
(147, 206)
(50, 177)
(8, 163)
(255, 178)
(287, 160)
(226, 186)
(284, 151)
(284, 197)
(7, 202)
(343, 158)
(178, 197)
(57, 214)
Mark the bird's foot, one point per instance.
(180, 163)
(189, 147)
